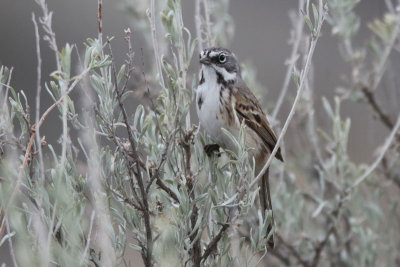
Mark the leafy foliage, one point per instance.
(138, 181)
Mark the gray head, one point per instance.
(221, 60)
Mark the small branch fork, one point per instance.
(148, 249)
(194, 237)
(322, 15)
(33, 135)
(196, 252)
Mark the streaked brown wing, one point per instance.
(248, 109)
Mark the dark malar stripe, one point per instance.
(221, 80)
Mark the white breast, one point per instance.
(209, 111)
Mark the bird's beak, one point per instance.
(205, 60)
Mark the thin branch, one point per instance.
(51, 227)
(214, 242)
(7, 89)
(322, 14)
(167, 189)
(390, 6)
(194, 237)
(148, 250)
(127, 200)
(100, 20)
(385, 147)
(88, 237)
(152, 19)
(198, 22)
(321, 17)
(33, 135)
(388, 49)
(321, 246)
(10, 243)
(388, 174)
(298, 24)
(292, 250)
(370, 96)
(156, 174)
(46, 22)
(38, 91)
(208, 23)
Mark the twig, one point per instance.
(100, 204)
(370, 96)
(321, 17)
(208, 23)
(10, 243)
(392, 177)
(390, 6)
(309, 97)
(214, 242)
(198, 22)
(127, 200)
(196, 248)
(7, 89)
(100, 20)
(51, 227)
(322, 14)
(386, 145)
(146, 252)
(88, 237)
(321, 246)
(152, 19)
(298, 23)
(280, 256)
(33, 135)
(156, 175)
(38, 90)
(388, 49)
(47, 27)
(292, 250)
(167, 189)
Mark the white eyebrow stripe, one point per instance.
(213, 54)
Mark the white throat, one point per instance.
(209, 74)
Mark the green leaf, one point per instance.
(315, 13)
(121, 73)
(135, 247)
(6, 237)
(309, 23)
(328, 108)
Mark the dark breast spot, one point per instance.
(201, 78)
(200, 101)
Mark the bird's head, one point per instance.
(221, 60)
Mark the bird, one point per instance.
(224, 101)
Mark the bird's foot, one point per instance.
(209, 149)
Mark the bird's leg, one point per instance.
(209, 149)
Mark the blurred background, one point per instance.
(262, 31)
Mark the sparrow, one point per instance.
(223, 100)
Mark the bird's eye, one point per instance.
(222, 58)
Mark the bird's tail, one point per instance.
(266, 204)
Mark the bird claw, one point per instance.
(209, 149)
